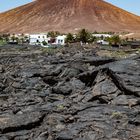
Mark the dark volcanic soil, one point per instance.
(68, 95)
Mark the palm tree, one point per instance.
(69, 38)
(83, 36)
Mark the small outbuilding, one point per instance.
(60, 40)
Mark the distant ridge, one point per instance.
(68, 16)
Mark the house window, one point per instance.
(59, 41)
(38, 36)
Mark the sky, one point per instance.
(129, 5)
(9, 4)
(132, 6)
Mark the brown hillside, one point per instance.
(68, 16)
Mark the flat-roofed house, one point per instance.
(36, 39)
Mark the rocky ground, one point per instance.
(71, 94)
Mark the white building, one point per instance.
(36, 39)
(102, 35)
(60, 40)
(102, 42)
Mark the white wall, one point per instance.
(103, 42)
(100, 35)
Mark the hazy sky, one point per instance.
(129, 5)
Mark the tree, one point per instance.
(13, 38)
(114, 40)
(102, 37)
(83, 36)
(26, 39)
(53, 34)
(22, 39)
(1, 38)
(44, 42)
(69, 38)
(6, 37)
(95, 32)
(92, 39)
(132, 39)
(127, 39)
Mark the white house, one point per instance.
(36, 39)
(60, 40)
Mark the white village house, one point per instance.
(37, 39)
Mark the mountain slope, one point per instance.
(68, 16)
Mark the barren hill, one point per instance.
(68, 16)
